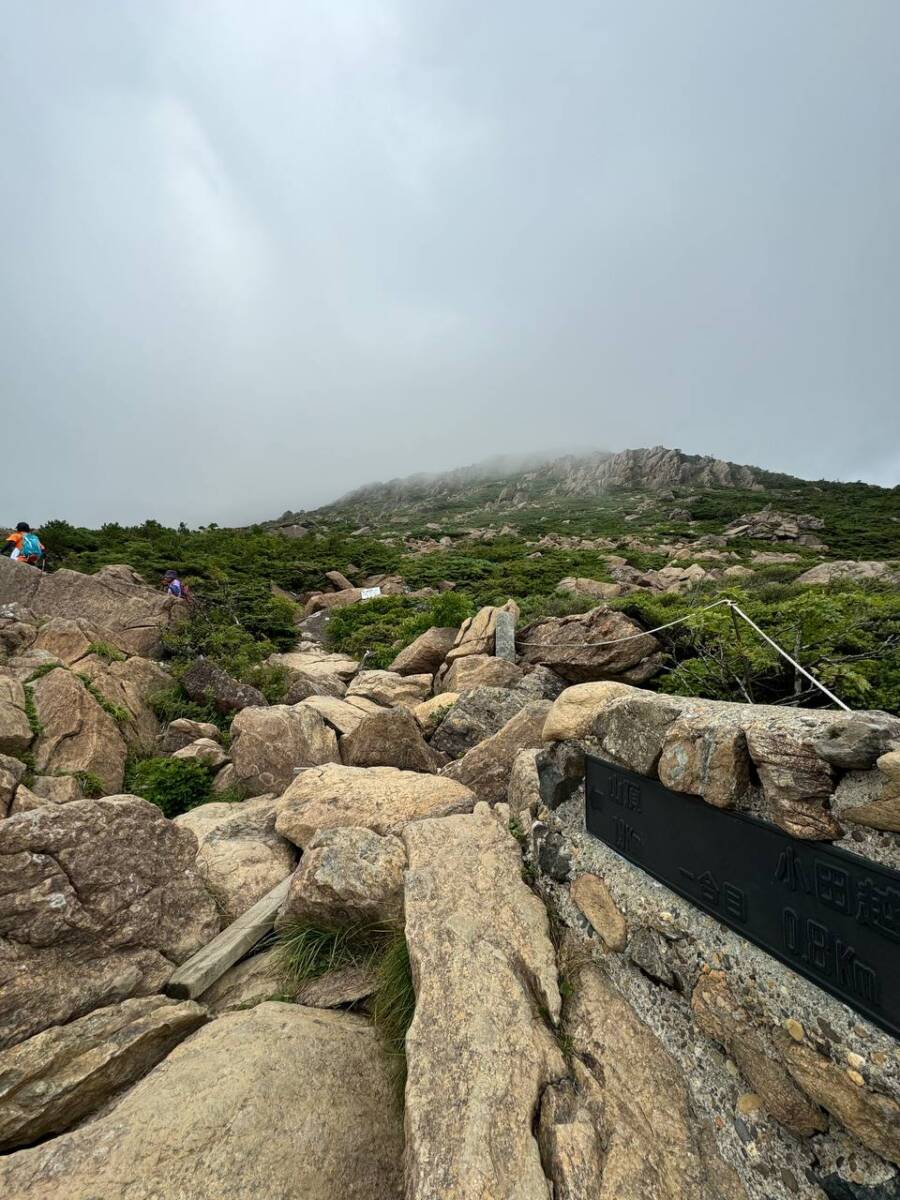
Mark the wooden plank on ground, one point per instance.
(203, 968)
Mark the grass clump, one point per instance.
(107, 651)
(308, 950)
(119, 714)
(174, 785)
(31, 712)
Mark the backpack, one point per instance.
(31, 546)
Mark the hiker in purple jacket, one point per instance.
(172, 584)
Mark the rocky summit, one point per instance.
(297, 893)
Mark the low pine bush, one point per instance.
(175, 785)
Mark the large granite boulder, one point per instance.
(426, 653)
(575, 711)
(479, 1051)
(347, 875)
(183, 730)
(379, 798)
(269, 743)
(100, 898)
(203, 1124)
(477, 715)
(129, 686)
(316, 663)
(389, 689)
(206, 683)
(11, 772)
(301, 686)
(51, 1081)
(479, 670)
(390, 738)
(600, 644)
(342, 715)
(15, 729)
(486, 767)
(76, 733)
(134, 614)
(240, 856)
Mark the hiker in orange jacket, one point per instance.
(24, 545)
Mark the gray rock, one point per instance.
(486, 767)
(51, 1081)
(390, 738)
(477, 715)
(205, 682)
(597, 645)
(632, 730)
(347, 875)
(542, 684)
(856, 744)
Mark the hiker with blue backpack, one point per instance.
(24, 545)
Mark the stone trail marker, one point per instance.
(827, 914)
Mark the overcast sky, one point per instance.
(256, 254)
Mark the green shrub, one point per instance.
(385, 625)
(273, 681)
(175, 785)
(173, 703)
(92, 786)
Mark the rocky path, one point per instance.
(578, 1033)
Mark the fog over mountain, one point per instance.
(257, 256)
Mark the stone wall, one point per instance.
(801, 1093)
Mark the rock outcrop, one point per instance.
(347, 875)
(600, 644)
(770, 526)
(204, 1118)
(269, 743)
(135, 614)
(76, 733)
(486, 767)
(479, 1052)
(100, 899)
(55, 1078)
(240, 856)
(849, 571)
(382, 799)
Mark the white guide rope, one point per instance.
(689, 617)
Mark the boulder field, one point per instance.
(575, 1031)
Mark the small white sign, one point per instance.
(370, 593)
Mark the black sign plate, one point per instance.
(832, 916)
